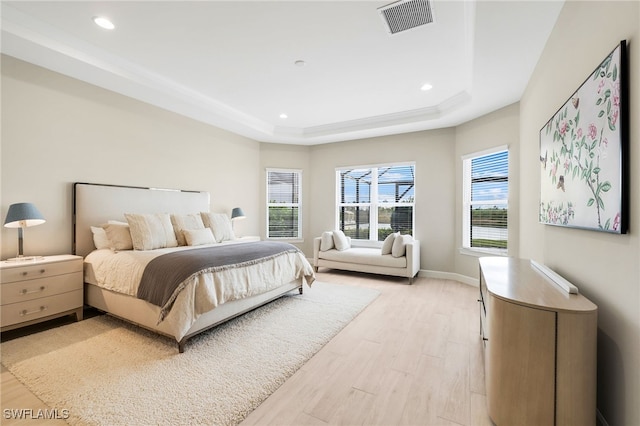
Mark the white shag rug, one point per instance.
(108, 372)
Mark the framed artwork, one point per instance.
(584, 153)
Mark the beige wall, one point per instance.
(57, 130)
(605, 267)
(433, 153)
(492, 130)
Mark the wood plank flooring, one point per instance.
(412, 357)
(16, 396)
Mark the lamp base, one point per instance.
(25, 259)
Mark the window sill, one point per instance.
(287, 240)
(476, 252)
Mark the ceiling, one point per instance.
(232, 64)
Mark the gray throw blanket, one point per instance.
(164, 277)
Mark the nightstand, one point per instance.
(38, 290)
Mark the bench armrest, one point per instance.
(316, 250)
(413, 257)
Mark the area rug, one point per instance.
(107, 372)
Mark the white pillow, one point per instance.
(327, 241)
(197, 237)
(399, 248)
(119, 236)
(340, 240)
(220, 224)
(151, 231)
(387, 245)
(100, 239)
(181, 222)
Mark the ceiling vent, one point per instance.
(406, 14)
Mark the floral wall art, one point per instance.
(583, 153)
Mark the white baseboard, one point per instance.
(449, 276)
(442, 276)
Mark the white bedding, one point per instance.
(121, 272)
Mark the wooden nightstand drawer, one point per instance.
(12, 272)
(40, 290)
(15, 313)
(22, 291)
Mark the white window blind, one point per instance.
(486, 200)
(375, 201)
(284, 204)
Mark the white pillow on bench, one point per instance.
(387, 245)
(340, 240)
(399, 248)
(327, 241)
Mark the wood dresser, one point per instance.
(539, 347)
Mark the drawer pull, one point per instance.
(24, 313)
(25, 291)
(25, 273)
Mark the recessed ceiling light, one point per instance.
(300, 63)
(426, 87)
(103, 22)
(283, 115)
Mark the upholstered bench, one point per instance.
(399, 255)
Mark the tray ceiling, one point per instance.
(331, 67)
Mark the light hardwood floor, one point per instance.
(412, 357)
(14, 396)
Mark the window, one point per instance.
(373, 202)
(486, 200)
(284, 204)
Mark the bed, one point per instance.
(124, 282)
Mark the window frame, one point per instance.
(467, 203)
(374, 204)
(298, 172)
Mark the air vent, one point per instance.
(406, 14)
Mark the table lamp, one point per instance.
(22, 215)
(236, 213)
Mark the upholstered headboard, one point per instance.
(95, 204)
